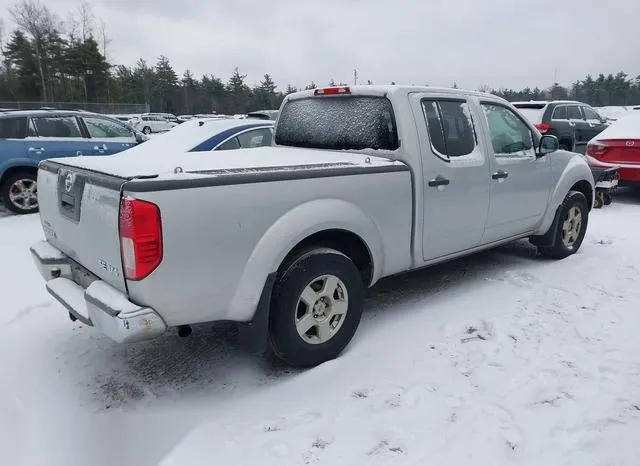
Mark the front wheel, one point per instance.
(571, 227)
(19, 193)
(316, 308)
(146, 130)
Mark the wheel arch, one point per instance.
(333, 223)
(17, 168)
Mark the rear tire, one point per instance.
(19, 193)
(571, 227)
(316, 307)
(146, 130)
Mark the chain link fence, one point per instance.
(104, 108)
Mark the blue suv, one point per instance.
(29, 136)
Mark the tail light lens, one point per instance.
(597, 149)
(140, 237)
(543, 127)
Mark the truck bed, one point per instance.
(217, 210)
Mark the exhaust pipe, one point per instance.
(184, 331)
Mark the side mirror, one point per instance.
(548, 144)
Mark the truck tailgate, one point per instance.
(79, 214)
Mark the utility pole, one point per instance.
(355, 76)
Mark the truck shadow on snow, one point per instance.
(212, 363)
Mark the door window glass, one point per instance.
(450, 127)
(509, 134)
(57, 127)
(560, 113)
(103, 128)
(574, 113)
(590, 114)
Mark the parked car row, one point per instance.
(573, 123)
(360, 183)
(28, 137)
(608, 144)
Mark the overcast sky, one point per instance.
(512, 43)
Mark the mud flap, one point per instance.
(549, 238)
(254, 335)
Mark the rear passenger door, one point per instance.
(107, 136)
(54, 136)
(455, 173)
(520, 181)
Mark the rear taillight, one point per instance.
(543, 127)
(332, 90)
(597, 149)
(140, 237)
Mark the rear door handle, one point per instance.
(438, 181)
(499, 175)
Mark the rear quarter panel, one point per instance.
(221, 242)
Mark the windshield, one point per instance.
(338, 123)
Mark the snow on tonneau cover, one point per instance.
(80, 196)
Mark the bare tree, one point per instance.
(86, 19)
(37, 21)
(104, 38)
(1, 36)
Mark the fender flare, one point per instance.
(575, 172)
(278, 241)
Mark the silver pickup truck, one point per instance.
(361, 183)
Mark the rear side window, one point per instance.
(559, 113)
(450, 127)
(573, 112)
(13, 128)
(57, 127)
(338, 123)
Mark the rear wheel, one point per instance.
(316, 308)
(19, 193)
(146, 130)
(571, 227)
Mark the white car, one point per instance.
(149, 123)
(167, 116)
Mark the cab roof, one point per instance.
(393, 89)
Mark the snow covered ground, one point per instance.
(501, 358)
